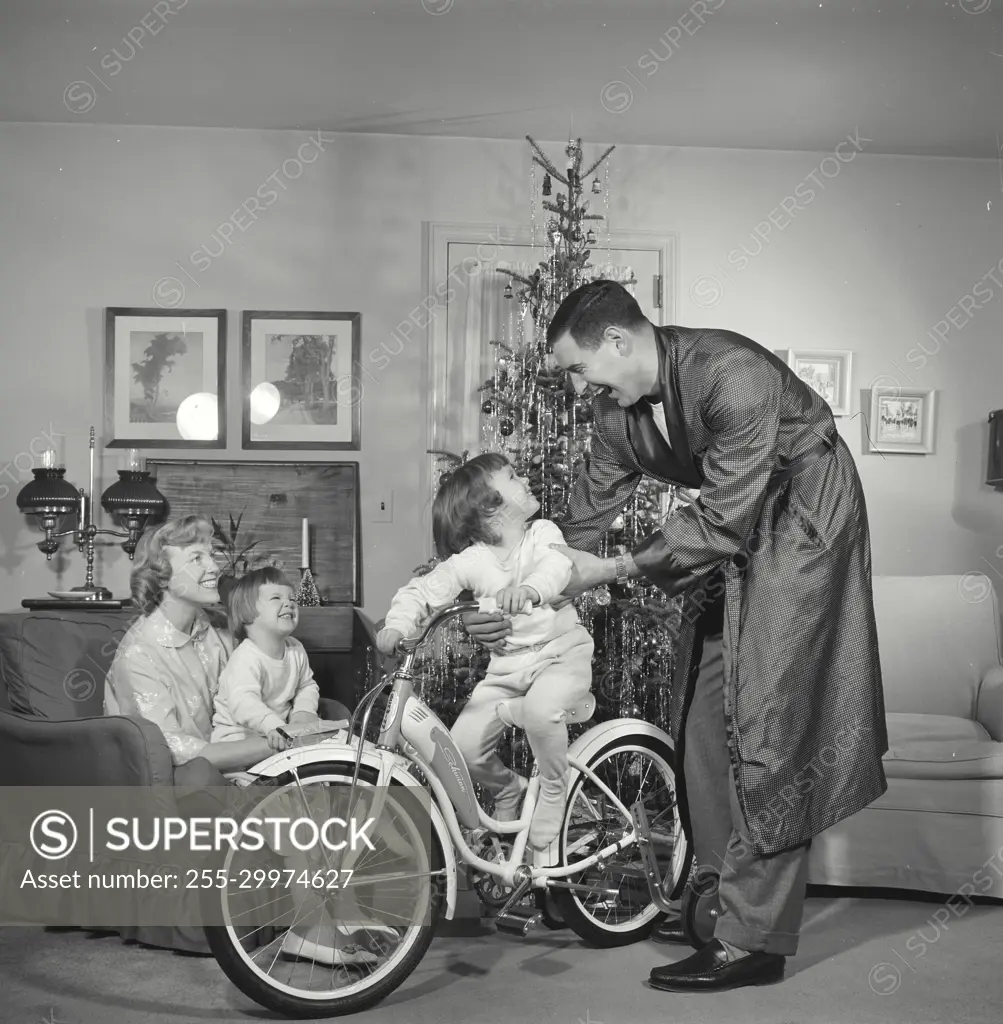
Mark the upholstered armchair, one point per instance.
(939, 827)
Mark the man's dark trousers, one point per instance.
(761, 897)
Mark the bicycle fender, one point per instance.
(390, 766)
(584, 749)
(591, 742)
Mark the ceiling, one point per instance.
(913, 76)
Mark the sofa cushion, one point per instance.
(945, 759)
(53, 666)
(910, 728)
(940, 747)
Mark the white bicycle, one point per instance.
(620, 857)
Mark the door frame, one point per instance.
(437, 236)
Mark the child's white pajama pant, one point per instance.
(552, 678)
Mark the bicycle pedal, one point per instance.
(519, 920)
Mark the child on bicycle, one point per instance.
(480, 523)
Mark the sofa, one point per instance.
(939, 826)
(53, 731)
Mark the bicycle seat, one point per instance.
(510, 711)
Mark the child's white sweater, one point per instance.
(533, 563)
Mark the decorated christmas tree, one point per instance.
(532, 415)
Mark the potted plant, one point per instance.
(234, 556)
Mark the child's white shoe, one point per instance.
(549, 812)
(508, 803)
(295, 947)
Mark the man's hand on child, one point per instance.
(387, 639)
(513, 600)
(489, 629)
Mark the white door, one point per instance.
(478, 313)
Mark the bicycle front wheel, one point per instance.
(300, 952)
(615, 908)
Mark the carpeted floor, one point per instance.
(861, 961)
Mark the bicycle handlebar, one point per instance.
(410, 645)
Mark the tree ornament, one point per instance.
(506, 427)
(590, 238)
(488, 408)
(596, 186)
(546, 184)
(601, 596)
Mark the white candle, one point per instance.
(305, 560)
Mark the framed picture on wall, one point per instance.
(903, 420)
(165, 378)
(300, 380)
(826, 372)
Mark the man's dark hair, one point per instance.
(590, 309)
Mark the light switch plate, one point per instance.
(383, 508)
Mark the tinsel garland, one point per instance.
(531, 414)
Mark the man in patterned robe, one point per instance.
(777, 711)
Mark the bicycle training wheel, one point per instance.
(306, 950)
(616, 908)
(700, 909)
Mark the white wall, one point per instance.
(94, 216)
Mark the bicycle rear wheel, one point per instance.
(617, 908)
(264, 946)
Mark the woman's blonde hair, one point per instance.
(152, 571)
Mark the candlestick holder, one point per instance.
(133, 500)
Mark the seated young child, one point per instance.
(267, 682)
(480, 522)
(266, 685)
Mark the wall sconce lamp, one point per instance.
(133, 501)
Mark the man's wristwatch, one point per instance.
(621, 570)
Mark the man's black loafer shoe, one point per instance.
(670, 930)
(709, 970)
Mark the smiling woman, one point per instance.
(168, 665)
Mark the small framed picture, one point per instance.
(827, 373)
(301, 385)
(903, 420)
(165, 378)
